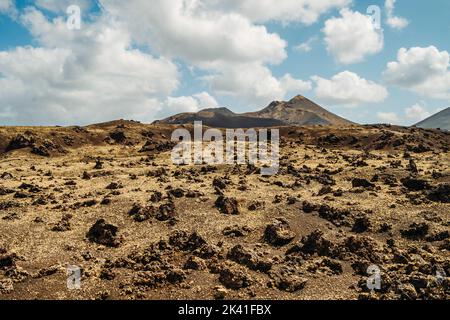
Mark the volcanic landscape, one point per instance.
(108, 199)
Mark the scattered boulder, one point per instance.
(441, 193)
(415, 184)
(362, 183)
(118, 136)
(312, 244)
(6, 286)
(104, 234)
(236, 231)
(19, 142)
(227, 205)
(233, 277)
(7, 260)
(248, 258)
(63, 224)
(279, 233)
(141, 213)
(361, 224)
(286, 279)
(166, 212)
(416, 231)
(195, 263)
(186, 242)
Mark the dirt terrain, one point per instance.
(107, 198)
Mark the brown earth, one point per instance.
(107, 198)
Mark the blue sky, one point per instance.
(146, 61)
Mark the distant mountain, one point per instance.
(298, 112)
(439, 120)
(221, 118)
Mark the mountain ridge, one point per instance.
(298, 111)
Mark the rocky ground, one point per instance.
(106, 198)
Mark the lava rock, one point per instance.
(227, 205)
(279, 233)
(362, 183)
(104, 234)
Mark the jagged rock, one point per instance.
(235, 278)
(195, 263)
(248, 258)
(312, 244)
(285, 279)
(165, 212)
(104, 234)
(186, 242)
(416, 231)
(440, 193)
(118, 136)
(227, 205)
(362, 183)
(19, 142)
(279, 233)
(236, 231)
(415, 184)
(6, 286)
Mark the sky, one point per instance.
(377, 61)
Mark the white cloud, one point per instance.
(352, 36)
(222, 39)
(62, 5)
(186, 30)
(97, 74)
(86, 76)
(422, 70)
(290, 84)
(254, 84)
(285, 11)
(306, 46)
(8, 7)
(388, 117)
(392, 20)
(416, 113)
(175, 105)
(348, 88)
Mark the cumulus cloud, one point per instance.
(422, 70)
(8, 7)
(289, 84)
(254, 84)
(221, 38)
(285, 11)
(62, 5)
(98, 73)
(352, 37)
(392, 20)
(207, 38)
(194, 103)
(416, 113)
(348, 89)
(388, 117)
(89, 75)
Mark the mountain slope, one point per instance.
(439, 120)
(298, 111)
(220, 118)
